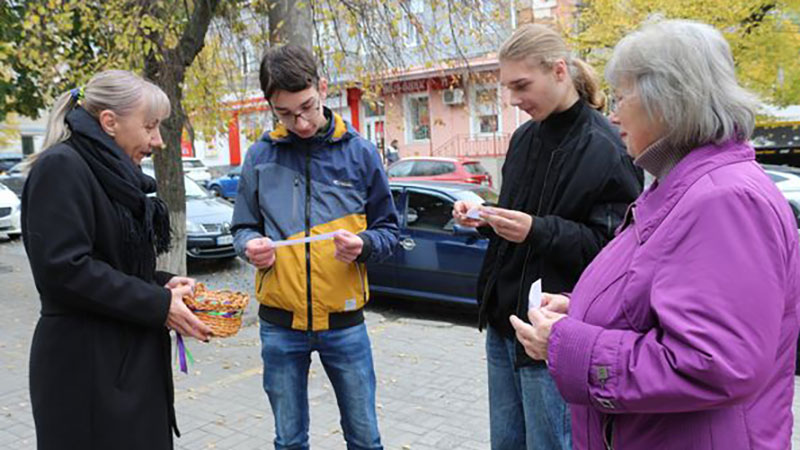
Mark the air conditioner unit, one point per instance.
(453, 97)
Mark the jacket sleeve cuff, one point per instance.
(366, 250)
(541, 233)
(569, 358)
(162, 277)
(165, 304)
(486, 231)
(240, 240)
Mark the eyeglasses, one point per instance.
(306, 113)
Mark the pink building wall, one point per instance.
(447, 122)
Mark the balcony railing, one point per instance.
(474, 146)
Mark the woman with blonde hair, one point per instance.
(100, 373)
(682, 333)
(566, 184)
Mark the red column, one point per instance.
(354, 102)
(234, 149)
(186, 145)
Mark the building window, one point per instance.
(485, 109)
(249, 58)
(418, 118)
(411, 19)
(480, 11)
(374, 108)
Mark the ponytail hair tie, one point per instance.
(77, 94)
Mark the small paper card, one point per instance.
(319, 237)
(535, 295)
(475, 213)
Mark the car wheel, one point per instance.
(216, 191)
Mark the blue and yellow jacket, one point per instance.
(292, 188)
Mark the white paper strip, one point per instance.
(319, 237)
(475, 213)
(535, 295)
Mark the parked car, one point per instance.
(226, 186)
(196, 170)
(208, 223)
(192, 167)
(9, 213)
(435, 259)
(14, 179)
(9, 160)
(788, 181)
(419, 168)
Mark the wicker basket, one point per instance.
(221, 310)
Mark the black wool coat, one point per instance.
(100, 374)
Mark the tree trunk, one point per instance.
(169, 171)
(169, 72)
(290, 23)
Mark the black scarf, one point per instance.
(144, 220)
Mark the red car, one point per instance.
(459, 170)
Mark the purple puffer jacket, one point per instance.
(682, 332)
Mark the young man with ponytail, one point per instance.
(567, 181)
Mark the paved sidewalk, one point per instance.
(430, 370)
(429, 361)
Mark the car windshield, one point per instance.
(193, 190)
(475, 168)
(192, 164)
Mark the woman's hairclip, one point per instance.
(77, 94)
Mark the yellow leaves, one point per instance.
(764, 54)
(9, 130)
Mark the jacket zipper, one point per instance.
(363, 285)
(295, 195)
(608, 432)
(308, 244)
(538, 211)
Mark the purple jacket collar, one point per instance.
(654, 204)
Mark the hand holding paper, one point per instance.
(535, 337)
(348, 246)
(511, 225)
(467, 214)
(260, 252)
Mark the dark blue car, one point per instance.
(225, 186)
(435, 259)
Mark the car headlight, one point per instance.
(194, 228)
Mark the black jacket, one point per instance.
(100, 374)
(589, 182)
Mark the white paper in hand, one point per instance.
(474, 213)
(535, 295)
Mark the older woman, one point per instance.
(100, 374)
(681, 334)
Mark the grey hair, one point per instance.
(117, 90)
(684, 75)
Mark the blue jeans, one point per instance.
(526, 410)
(347, 358)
